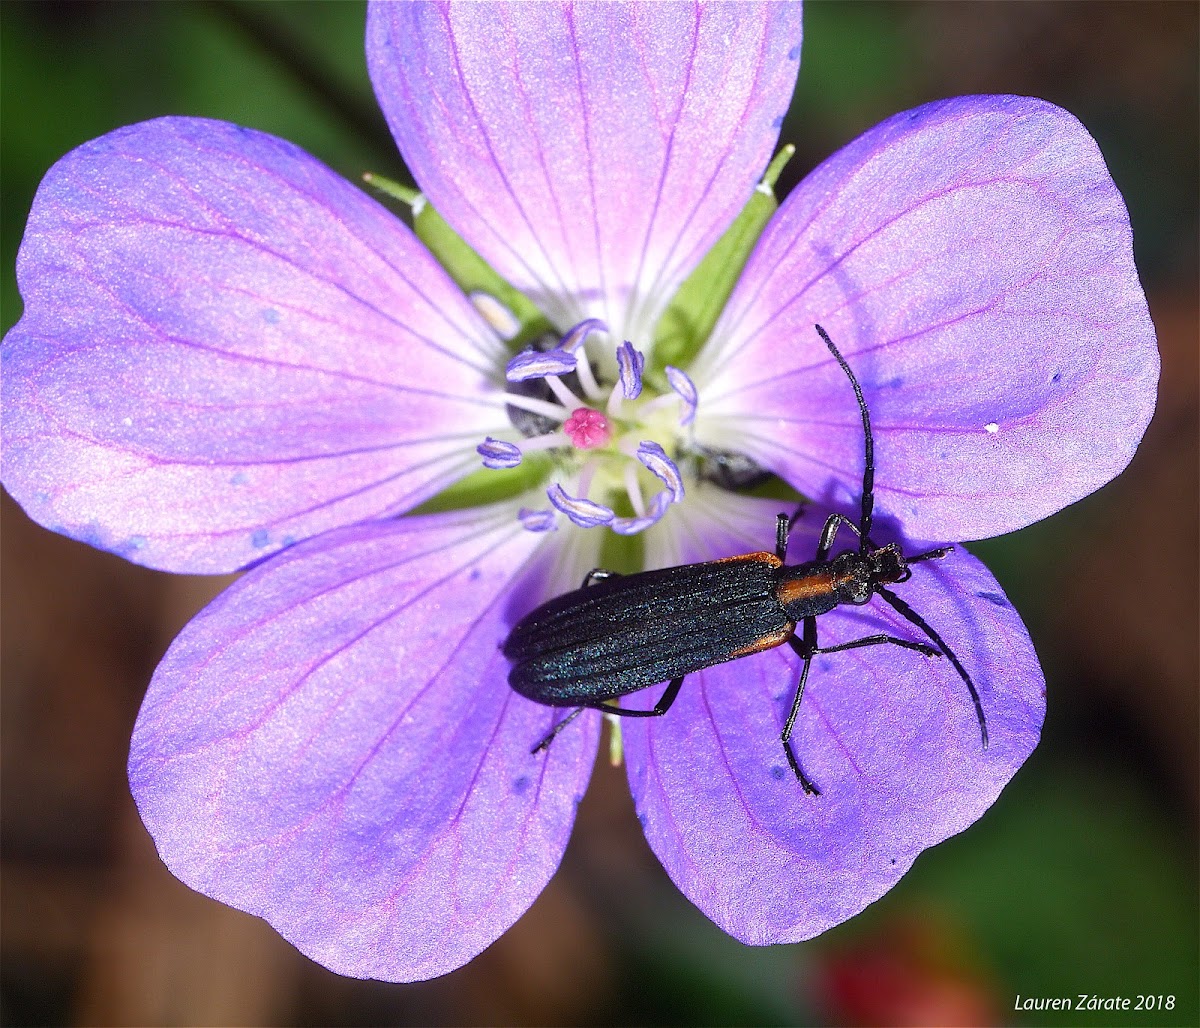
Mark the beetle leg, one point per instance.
(875, 640)
(798, 513)
(911, 615)
(598, 575)
(832, 524)
(553, 733)
(783, 527)
(660, 708)
(805, 648)
(829, 533)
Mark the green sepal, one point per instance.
(470, 271)
(473, 273)
(390, 187)
(693, 311)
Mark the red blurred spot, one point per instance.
(911, 973)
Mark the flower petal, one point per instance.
(890, 737)
(332, 745)
(972, 259)
(591, 153)
(226, 348)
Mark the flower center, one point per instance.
(587, 428)
(610, 446)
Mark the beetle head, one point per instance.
(888, 565)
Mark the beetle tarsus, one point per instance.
(810, 788)
(551, 735)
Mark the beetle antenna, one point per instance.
(868, 486)
(909, 614)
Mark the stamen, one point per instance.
(545, 408)
(634, 488)
(631, 526)
(502, 320)
(586, 473)
(587, 380)
(574, 340)
(630, 364)
(564, 395)
(537, 520)
(497, 454)
(587, 428)
(549, 441)
(581, 512)
(686, 389)
(534, 364)
(575, 337)
(655, 458)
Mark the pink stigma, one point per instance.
(587, 428)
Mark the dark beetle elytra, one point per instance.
(621, 633)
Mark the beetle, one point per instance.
(618, 634)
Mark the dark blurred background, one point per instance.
(1082, 878)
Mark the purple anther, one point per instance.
(533, 364)
(497, 454)
(655, 458)
(581, 512)
(574, 337)
(629, 365)
(536, 520)
(654, 512)
(686, 389)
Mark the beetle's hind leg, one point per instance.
(660, 708)
(551, 735)
(598, 575)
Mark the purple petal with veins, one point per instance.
(227, 348)
(332, 745)
(889, 736)
(592, 153)
(973, 260)
(581, 512)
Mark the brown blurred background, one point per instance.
(1083, 878)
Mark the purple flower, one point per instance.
(229, 357)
